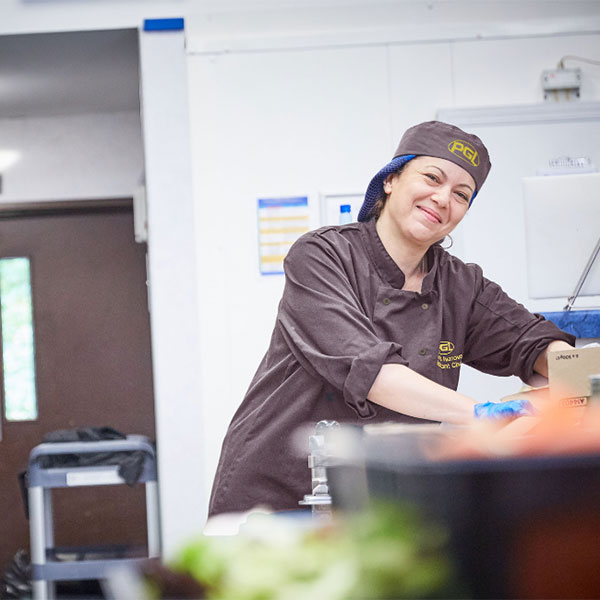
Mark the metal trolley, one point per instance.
(46, 569)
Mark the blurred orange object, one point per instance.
(557, 430)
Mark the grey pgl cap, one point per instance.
(438, 139)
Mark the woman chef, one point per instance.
(375, 321)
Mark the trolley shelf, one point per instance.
(49, 563)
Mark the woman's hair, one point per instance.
(380, 202)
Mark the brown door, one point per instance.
(92, 361)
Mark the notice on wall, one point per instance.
(281, 221)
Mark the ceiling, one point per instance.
(69, 73)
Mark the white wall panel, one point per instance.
(82, 156)
(509, 71)
(420, 82)
(264, 125)
(173, 277)
(284, 24)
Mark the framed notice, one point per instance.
(281, 221)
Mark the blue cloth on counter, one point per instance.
(580, 323)
(511, 409)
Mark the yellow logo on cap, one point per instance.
(465, 151)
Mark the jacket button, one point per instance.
(386, 301)
(423, 351)
(425, 306)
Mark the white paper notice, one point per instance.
(281, 221)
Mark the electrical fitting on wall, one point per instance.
(562, 84)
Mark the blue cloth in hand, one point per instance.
(511, 409)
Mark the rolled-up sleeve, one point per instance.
(503, 337)
(326, 327)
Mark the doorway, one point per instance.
(92, 363)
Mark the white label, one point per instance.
(105, 477)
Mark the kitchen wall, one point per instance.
(322, 120)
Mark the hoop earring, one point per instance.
(448, 237)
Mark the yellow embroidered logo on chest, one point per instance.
(446, 359)
(446, 347)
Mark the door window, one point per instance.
(18, 348)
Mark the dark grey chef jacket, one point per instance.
(342, 316)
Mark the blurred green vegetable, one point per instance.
(385, 552)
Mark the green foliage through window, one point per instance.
(20, 403)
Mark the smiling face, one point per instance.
(426, 201)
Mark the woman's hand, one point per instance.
(505, 411)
